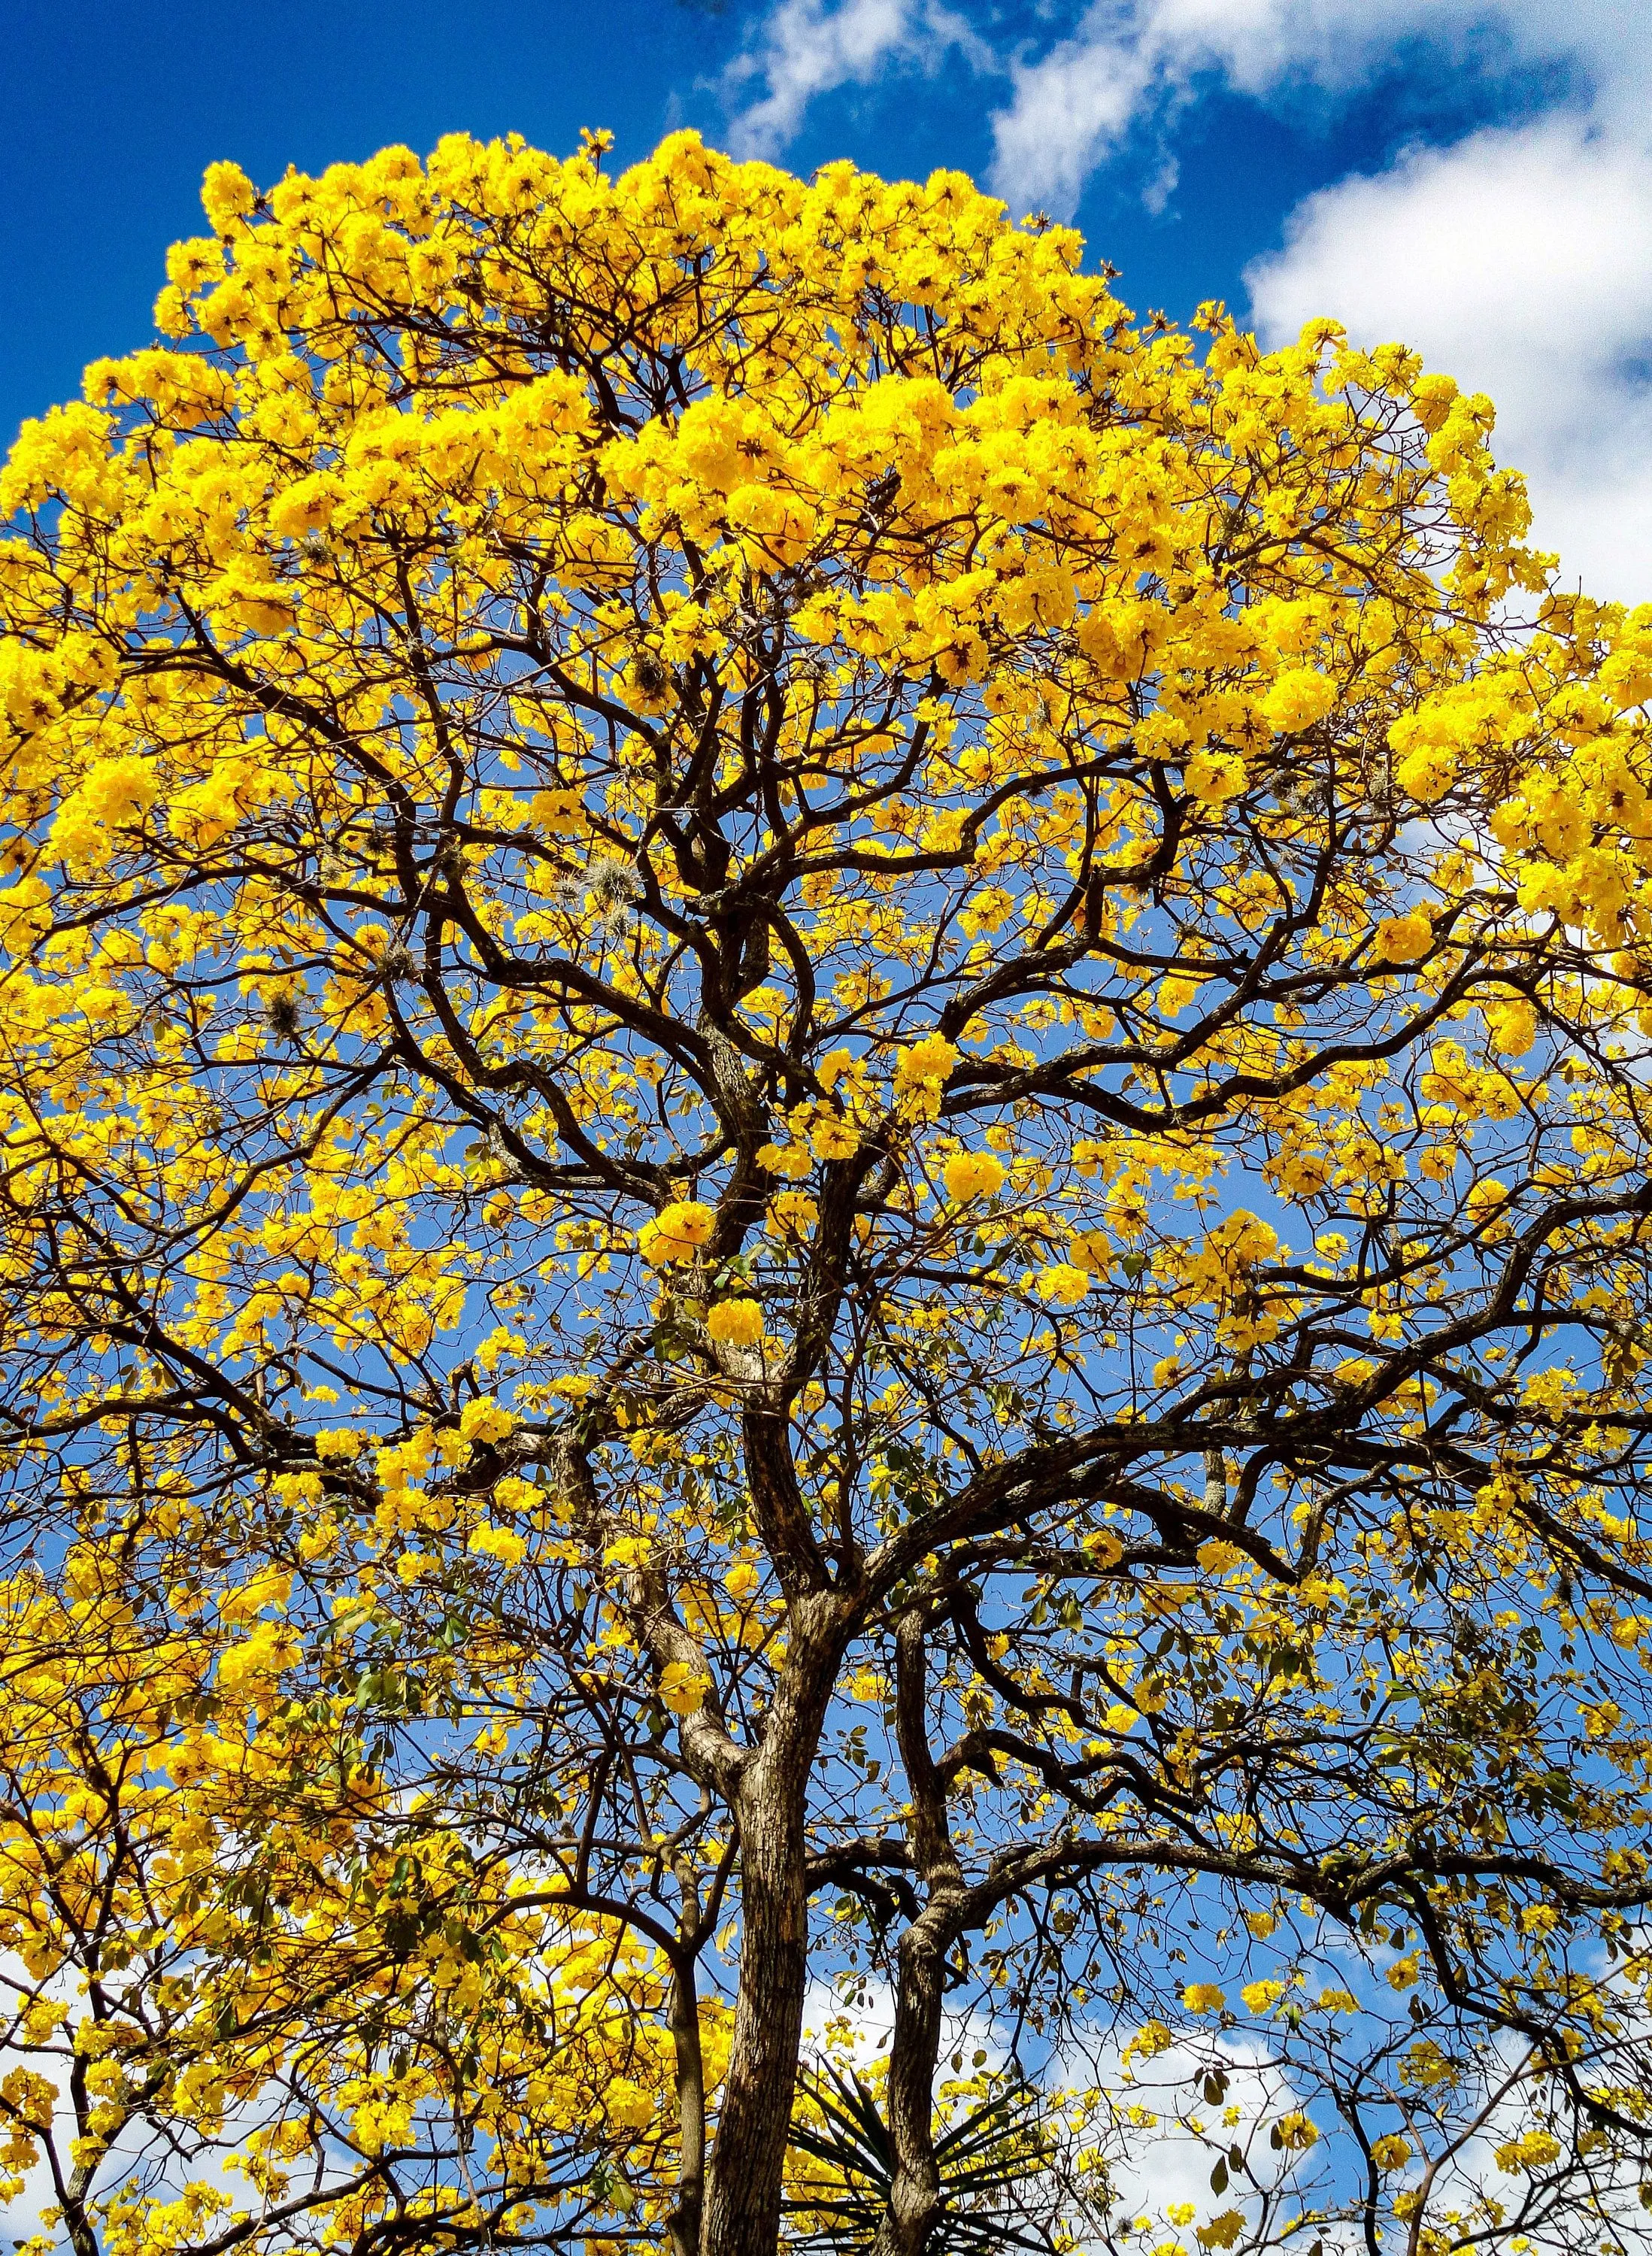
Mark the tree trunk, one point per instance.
(683, 2225)
(914, 2194)
(743, 2196)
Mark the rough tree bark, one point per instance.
(744, 2191)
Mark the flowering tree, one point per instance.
(825, 1161)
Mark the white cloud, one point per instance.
(1067, 111)
(1128, 60)
(805, 49)
(1168, 2165)
(1516, 261)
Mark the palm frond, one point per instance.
(987, 2160)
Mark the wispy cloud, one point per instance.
(1068, 110)
(805, 48)
(1129, 60)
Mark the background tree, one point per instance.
(825, 1157)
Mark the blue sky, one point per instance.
(1473, 175)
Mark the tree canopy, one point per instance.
(825, 1207)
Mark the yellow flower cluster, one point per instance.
(736, 1323)
(972, 1175)
(677, 1232)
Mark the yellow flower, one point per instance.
(1298, 699)
(559, 813)
(1427, 774)
(1090, 1251)
(117, 790)
(932, 1059)
(792, 1161)
(1391, 2152)
(778, 526)
(1062, 1284)
(501, 1543)
(1403, 939)
(1533, 2150)
(269, 1650)
(972, 1175)
(485, 1419)
(792, 1214)
(1261, 1997)
(921, 1073)
(676, 1233)
(307, 507)
(1203, 1997)
(832, 1139)
(1244, 1239)
(1222, 2230)
(682, 1688)
(736, 1323)
(227, 194)
(1214, 777)
(1510, 1027)
(1485, 1201)
(1295, 2133)
(626, 2106)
